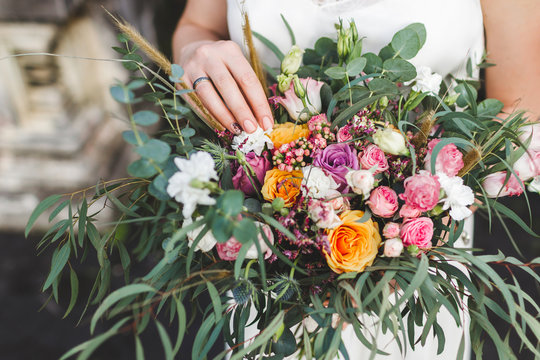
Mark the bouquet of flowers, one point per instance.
(349, 207)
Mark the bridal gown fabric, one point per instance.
(454, 35)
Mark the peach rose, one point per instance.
(285, 133)
(353, 245)
(283, 184)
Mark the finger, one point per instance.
(233, 97)
(212, 101)
(252, 89)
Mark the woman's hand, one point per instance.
(232, 92)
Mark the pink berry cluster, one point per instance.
(362, 123)
(319, 128)
(398, 168)
(294, 155)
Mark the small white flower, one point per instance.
(534, 186)
(457, 196)
(200, 167)
(393, 247)
(207, 242)
(253, 142)
(316, 183)
(426, 80)
(360, 181)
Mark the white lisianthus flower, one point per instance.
(426, 81)
(199, 167)
(534, 186)
(253, 142)
(390, 141)
(457, 196)
(393, 247)
(207, 242)
(316, 183)
(360, 181)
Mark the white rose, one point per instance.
(360, 181)
(316, 183)
(390, 141)
(207, 242)
(393, 247)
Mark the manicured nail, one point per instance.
(236, 129)
(249, 126)
(267, 123)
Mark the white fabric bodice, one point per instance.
(454, 27)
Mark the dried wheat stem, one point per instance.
(427, 122)
(471, 158)
(253, 56)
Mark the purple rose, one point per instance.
(259, 164)
(337, 160)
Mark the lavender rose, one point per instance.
(337, 160)
(259, 164)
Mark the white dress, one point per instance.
(455, 33)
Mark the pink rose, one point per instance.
(371, 156)
(393, 247)
(493, 185)
(383, 201)
(449, 159)
(417, 232)
(407, 211)
(229, 250)
(528, 165)
(391, 230)
(344, 134)
(421, 191)
(339, 202)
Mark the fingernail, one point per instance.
(236, 129)
(267, 123)
(249, 126)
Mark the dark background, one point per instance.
(27, 333)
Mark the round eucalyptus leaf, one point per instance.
(145, 118)
(399, 70)
(154, 149)
(406, 43)
(142, 168)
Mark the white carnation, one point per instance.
(534, 186)
(253, 142)
(457, 196)
(207, 242)
(200, 166)
(426, 80)
(316, 183)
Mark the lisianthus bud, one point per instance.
(299, 89)
(284, 82)
(344, 44)
(390, 141)
(413, 250)
(393, 247)
(292, 61)
(278, 203)
(354, 32)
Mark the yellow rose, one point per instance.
(285, 133)
(283, 184)
(353, 245)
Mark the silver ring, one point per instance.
(200, 79)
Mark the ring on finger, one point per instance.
(199, 80)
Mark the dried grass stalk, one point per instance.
(253, 56)
(471, 158)
(427, 121)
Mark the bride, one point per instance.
(208, 45)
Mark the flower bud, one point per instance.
(284, 82)
(278, 203)
(354, 32)
(267, 209)
(393, 247)
(360, 181)
(292, 61)
(391, 141)
(383, 102)
(413, 250)
(451, 99)
(299, 89)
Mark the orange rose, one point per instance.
(283, 184)
(353, 245)
(285, 133)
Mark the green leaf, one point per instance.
(137, 84)
(188, 132)
(142, 168)
(123, 292)
(269, 45)
(356, 66)
(58, 209)
(42, 206)
(420, 30)
(130, 138)
(374, 64)
(336, 72)
(399, 70)
(181, 315)
(165, 341)
(289, 29)
(490, 107)
(154, 149)
(387, 52)
(468, 95)
(286, 344)
(231, 202)
(216, 300)
(406, 43)
(122, 94)
(176, 73)
(74, 282)
(145, 118)
(139, 351)
(58, 263)
(381, 85)
(245, 231)
(325, 47)
(353, 109)
(82, 222)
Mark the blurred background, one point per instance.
(60, 131)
